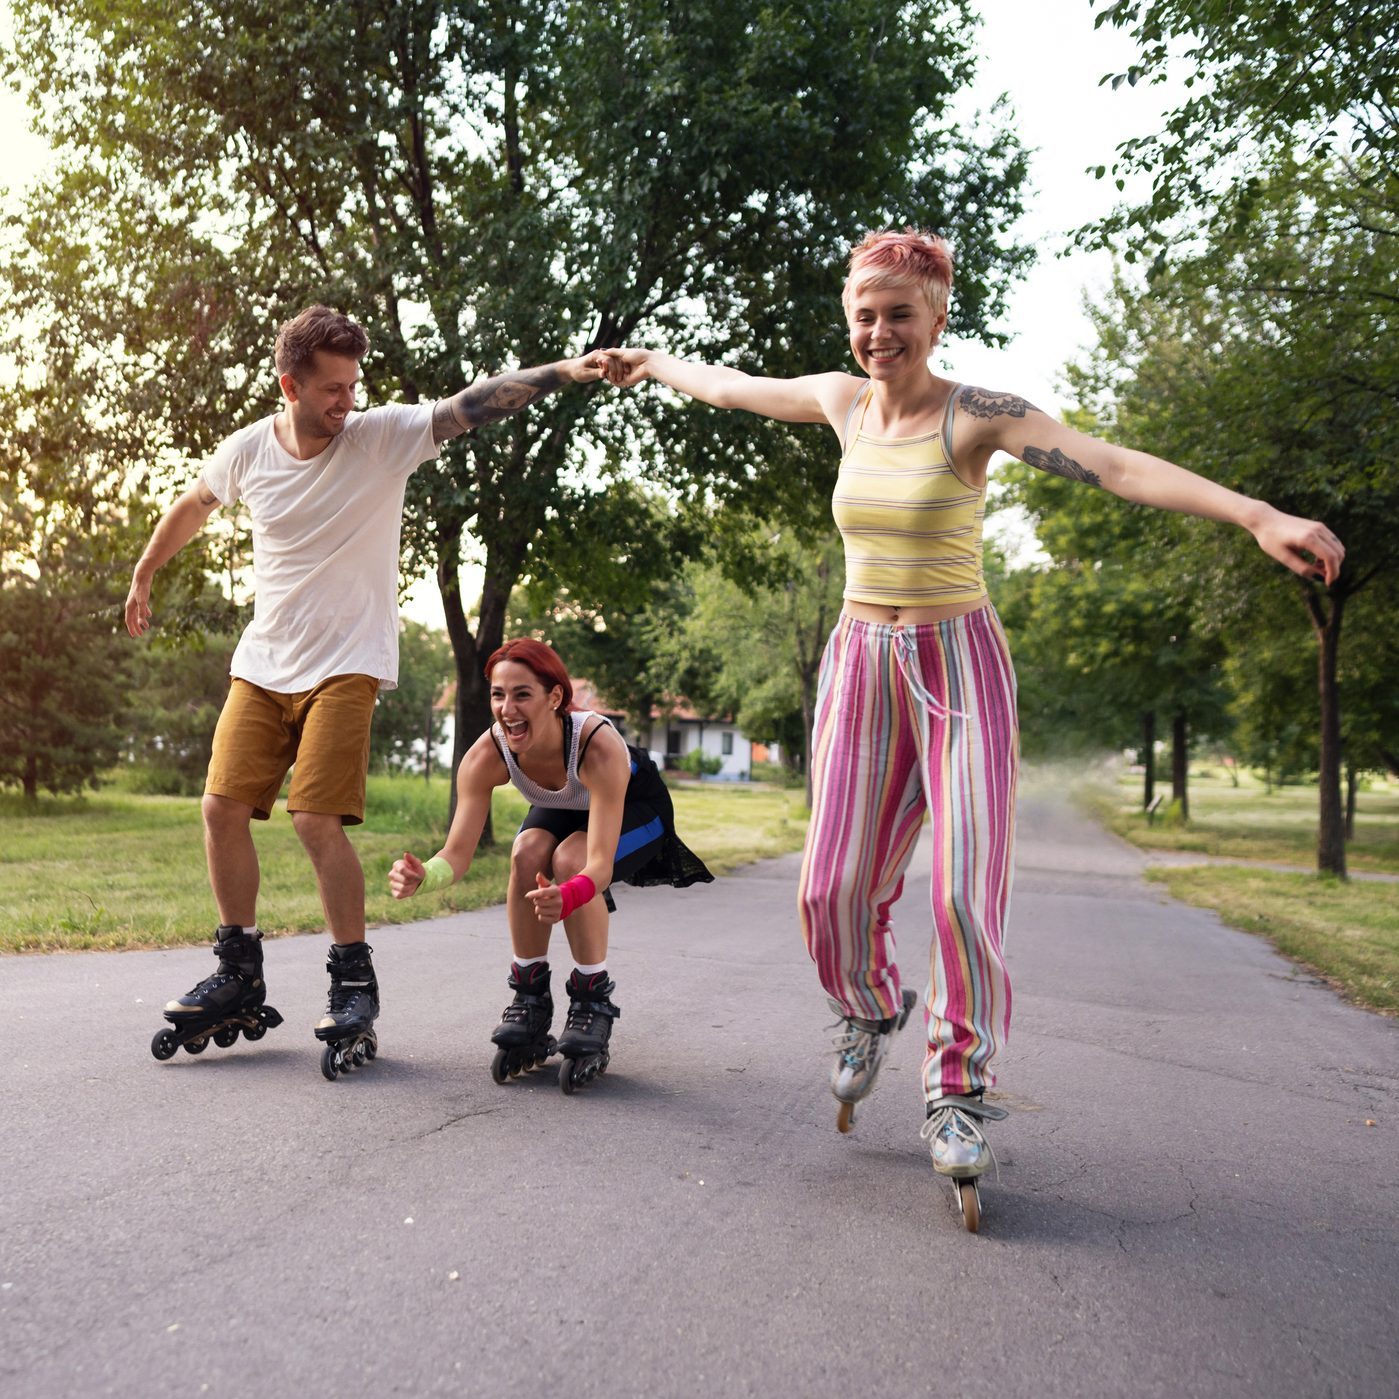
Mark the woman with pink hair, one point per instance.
(916, 700)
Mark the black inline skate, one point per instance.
(222, 1004)
(588, 1030)
(348, 1024)
(523, 1033)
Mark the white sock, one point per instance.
(530, 961)
(591, 970)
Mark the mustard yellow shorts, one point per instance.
(321, 733)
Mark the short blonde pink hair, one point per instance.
(888, 259)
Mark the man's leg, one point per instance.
(327, 792)
(339, 875)
(232, 857)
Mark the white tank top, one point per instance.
(573, 795)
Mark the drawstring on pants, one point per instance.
(907, 658)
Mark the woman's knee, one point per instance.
(571, 857)
(530, 855)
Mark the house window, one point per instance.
(726, 743)
(672, 743)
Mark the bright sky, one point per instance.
(1047, 57)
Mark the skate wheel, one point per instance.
(164, 1044)
(330, 1062)
(254, 1032)
(196, 1046)
(566, 1079)
(969, 1198)
(845, 1117)
(360, 1056)
(371, 1047)
(226, 1037)
(498, 1066)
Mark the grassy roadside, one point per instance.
(116, 870)
(1347, 932)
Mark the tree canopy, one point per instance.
(491, 185)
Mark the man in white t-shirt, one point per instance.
(324, 487)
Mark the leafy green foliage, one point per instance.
(492, 185)
(410, 717)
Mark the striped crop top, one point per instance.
(911, 525)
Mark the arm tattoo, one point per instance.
(1057, 464)
(982, 403)
(493, 399)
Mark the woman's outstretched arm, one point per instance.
(988, 422)
(811, 398)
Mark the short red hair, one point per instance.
(888, 259)
(543, 660)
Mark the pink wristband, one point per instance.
(576, 892)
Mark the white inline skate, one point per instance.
(959, 1150)
(860, 1049)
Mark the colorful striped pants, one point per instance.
(908, 720)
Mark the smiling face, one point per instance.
(527, 713)
(892, 330)
(319, 402)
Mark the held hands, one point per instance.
(587, 368)
(626, 367)
(405, 876)
(1289, 539)
(547, 900)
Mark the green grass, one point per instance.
(1346, 932)
(118, 870)
(1249, 823)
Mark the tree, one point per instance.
(1226, 366)
(1266, 82)
(408, 720)
(62, 681)
(489, 185)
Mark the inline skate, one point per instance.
(959, 1150)
(347, 1028)
(522, 1038)
(222, 1005)
(861, 1046)
(588, 1030)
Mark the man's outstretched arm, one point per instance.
(175, 529)
(504, 394)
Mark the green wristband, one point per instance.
(437, 874)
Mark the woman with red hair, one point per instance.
(599, 813)
(916, 700)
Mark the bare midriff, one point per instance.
(910, 616)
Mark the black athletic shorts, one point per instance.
(648, 850)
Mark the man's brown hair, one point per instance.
(317, 328)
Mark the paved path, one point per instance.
(1191, 1201)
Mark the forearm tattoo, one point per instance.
(1057, 464)
(493, 399)
(982, 403)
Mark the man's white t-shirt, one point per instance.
(325, 545)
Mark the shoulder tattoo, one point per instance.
(1057, 464)
(982, 403)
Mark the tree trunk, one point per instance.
(471, 712)
(1352, 782)
(1149, 758)
(1331, 828)
(31, 779)
(1180, 762)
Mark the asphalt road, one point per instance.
(1192, 1200)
